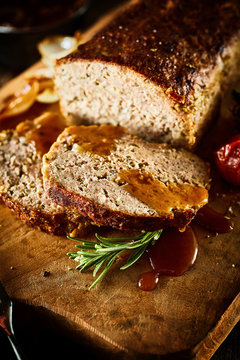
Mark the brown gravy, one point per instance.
(95, 139)
(213, 221)
(43, 131)
(172, 254)
(160, 197)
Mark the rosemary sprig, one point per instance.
(104, 252)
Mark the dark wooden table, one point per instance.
(44, 340)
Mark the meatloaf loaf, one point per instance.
(21, 181)
(158, 69)
(122, 181)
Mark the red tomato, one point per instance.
(228, 160)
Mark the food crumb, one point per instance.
(46, 273)
(233, 265)
(230, 211)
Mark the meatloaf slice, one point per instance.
(158, 69)
(122, 181)
(21, 181)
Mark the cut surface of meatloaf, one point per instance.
(21, 181)
(122, 181)
(158, 69)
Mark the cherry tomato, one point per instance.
(227, 160)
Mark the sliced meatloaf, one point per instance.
(158, 69)
(122, 181)
(21, 181)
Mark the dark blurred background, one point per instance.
(18, 45)
(40, 334)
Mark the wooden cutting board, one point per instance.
(186, 316)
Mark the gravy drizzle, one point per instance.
(42, 131)
(173, 254)
(213, 220)
(95, 139)
(162, 198)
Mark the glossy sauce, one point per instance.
(43, 131)
(160, 197)
(95, 139)
(173, 254)
(213, 221)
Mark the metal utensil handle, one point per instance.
(16, 347)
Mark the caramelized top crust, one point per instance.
(174, 43)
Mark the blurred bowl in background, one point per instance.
(23, 26)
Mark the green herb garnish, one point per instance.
(104, 253)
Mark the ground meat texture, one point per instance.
(158, 68)
(129, 184)
(21, 182)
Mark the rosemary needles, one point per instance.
(102, 253)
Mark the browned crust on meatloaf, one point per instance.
(116, 219)
(171, 42)
(55, 224)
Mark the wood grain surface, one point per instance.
(185, 317)
(192, 313)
